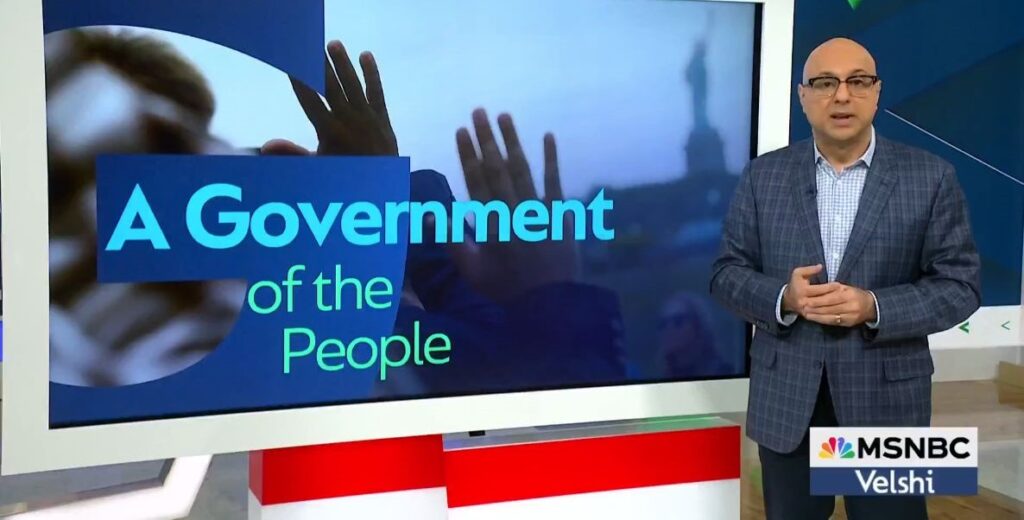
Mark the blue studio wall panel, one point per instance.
(953, 84)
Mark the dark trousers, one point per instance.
(786, 482)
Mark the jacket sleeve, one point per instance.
(737, 279)
(948, 291)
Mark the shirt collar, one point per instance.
(868, 156)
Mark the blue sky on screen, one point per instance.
(606, 76)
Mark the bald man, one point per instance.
(845, 251)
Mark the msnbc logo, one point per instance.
(836, 448)
(894, 461)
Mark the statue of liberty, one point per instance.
(705, 152)
(697, 76)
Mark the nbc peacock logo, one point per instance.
(836, 448)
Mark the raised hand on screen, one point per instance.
(503, 270)
(354, 121)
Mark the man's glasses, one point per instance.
(827, 86)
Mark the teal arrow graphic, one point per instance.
(966, 327)
(855, 3)
(1006, 325)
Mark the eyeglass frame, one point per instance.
(874, 81)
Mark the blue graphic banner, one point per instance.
(151, 228)
(894, 481)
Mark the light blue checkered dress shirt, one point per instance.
(838, 201)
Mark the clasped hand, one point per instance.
(831, 303)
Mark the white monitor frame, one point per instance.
(30, 445)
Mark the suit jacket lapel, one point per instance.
(804, 184)
(878, 185)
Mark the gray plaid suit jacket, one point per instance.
(911, 244)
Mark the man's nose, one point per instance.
(842, 94)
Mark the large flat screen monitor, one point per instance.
(505, 217)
